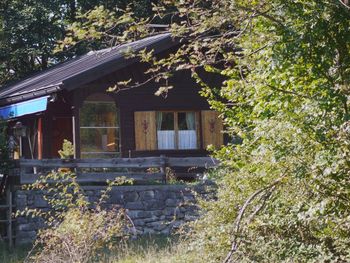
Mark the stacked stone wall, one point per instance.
(154, 209)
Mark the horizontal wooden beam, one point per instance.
(146, 162)
(203, 162)
(99, 177)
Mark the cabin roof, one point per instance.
(80, 70)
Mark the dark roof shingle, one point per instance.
(80, 70)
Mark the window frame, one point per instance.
(197, 114)
(112, 154)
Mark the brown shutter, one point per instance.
(145, 130)
(212, 129)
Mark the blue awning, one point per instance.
(24, 108)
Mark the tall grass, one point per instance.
(15, 256)
(147, 249)
(153, 249)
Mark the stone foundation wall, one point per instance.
(154, 209)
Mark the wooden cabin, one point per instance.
(70, 101)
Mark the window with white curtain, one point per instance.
(176, 130)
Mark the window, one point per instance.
(99, 128)
(177, 130)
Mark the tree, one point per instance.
(284, 193)
(30, 30)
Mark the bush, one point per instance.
(76, 229)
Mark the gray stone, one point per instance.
(169, 211)
(26, 227)
(153, 209)
(93, 199)
(145, 214)
(190, 218)
(173, 195)
(131, 196)
(138, 214)
(153, 204)
(156, 213)
(158, 225)
(159, 195)
(21, 201)
(150, 219)
(139, 222)
(21, 220)
(134, 206)
(189, 198)
(179, 214)
(148, 231)
(177, 224)
(40, 202)
(147, 195)
(165, 231)
(26, 234)
(116, 197)
(89, 192)
(171, 202)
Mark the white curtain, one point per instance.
(159, 120)
(190, 121)
(187, 139)
(166, 140)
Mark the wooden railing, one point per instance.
(100, 170)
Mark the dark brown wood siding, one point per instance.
(184, 96)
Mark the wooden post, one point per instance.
(9, 217)
(40, 138)
(163, 166)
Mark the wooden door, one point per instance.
(62, 128)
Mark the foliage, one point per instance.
(76, 228)
(67, 150)
(284, 194)
(30, 29)
(5, 160)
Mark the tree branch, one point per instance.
(271, 187)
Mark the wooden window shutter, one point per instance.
(212, 128)
(145, 130)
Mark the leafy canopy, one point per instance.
(285, 191)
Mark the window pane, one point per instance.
(165, 130)
(98, 114)
(95, 140)
(187, 130)
(181, 119)
(165, 121)
(187, 139)
(166, 140)
(99, 127)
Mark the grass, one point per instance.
(146, 249)
(17, 255)
(152, 249)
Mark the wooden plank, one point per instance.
(204, 162)
(6, 206)
(40, 138)
(145, 162)
(145, 130)
(98, 177)
(9, 217)
(6, 221)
